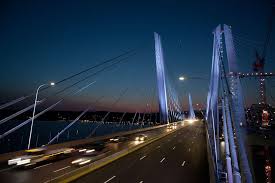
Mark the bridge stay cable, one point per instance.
(37, 115)
(107, 114)
(7, 104)
(111, 66)
(74, 121)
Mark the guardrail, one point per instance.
(211, 162)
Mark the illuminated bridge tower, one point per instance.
(237, 104)
(163, 107)
(191, 110)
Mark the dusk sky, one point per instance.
(48, 40)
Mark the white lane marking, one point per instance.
(183, 163)
(110, 179)
(141, 182)
(67, 173)
(162, 160)
(142, 157)
(158, 147)
(192, 142)
(6, 169)
(42, 166)
(174, 147)
(62, 169)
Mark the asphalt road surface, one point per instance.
(177, 158)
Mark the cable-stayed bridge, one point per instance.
(142, 146)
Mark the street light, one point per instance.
(34, 107)
(181, 78)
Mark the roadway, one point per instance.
(178, 157)
(48, 171)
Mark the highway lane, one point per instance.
(178, 157)
(51, 170)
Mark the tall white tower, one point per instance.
(163, 107)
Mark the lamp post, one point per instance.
(34, 107)
(183, 78)
(186, 78)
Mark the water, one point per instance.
(43, 131)
(262, 159)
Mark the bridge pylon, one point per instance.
(237, 104)
(162, 92)
(227, 88)
(191, 110)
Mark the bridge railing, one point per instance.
(211, 156)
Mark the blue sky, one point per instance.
(43, 41)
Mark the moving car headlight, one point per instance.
(90, 150)
(137, 138)
(142, 138)
(77, 161)
(82, 150)
(84, 162)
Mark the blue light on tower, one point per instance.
(163, 107)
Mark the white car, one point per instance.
(118, 139)
(29, 155)
(40, 156)
(141, 138)
(87, 151)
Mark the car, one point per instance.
(90, 152)
(92, 149)
(38, 156)
(28, 155)
(118, 139)
(141, 138)
(170, 127)
(98, 146)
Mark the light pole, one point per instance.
(186, 78)
(33, 113)
(183, 78)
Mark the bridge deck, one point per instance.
(179, 157)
